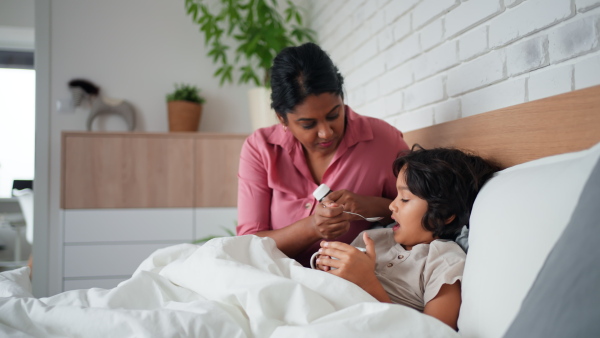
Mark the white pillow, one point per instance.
(516, 220)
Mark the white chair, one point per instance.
(25, 197)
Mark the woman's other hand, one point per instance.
(329, 221)
(367, 206)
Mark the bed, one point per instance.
(529, 271)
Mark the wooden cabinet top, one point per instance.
(158, 135)
(149, 170)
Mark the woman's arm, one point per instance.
(446, 305)
(254, 207)
(325, 223)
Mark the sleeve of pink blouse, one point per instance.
(254, 194)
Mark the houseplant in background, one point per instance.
(184, 106)
(258, 30)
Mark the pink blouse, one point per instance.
(275, 184)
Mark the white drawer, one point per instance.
(120, 225)
(106, 260)
(77, 284)
(211, 221)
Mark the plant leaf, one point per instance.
(254, 29)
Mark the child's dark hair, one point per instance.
(449, 180)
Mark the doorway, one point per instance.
(17, 125)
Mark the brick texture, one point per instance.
(573, 39)
(414, 63)
(527, 18)
(550, 81)
(527, 55)
(470, 14)
(586, 5)
(587, 72)
(428, 10)
(475, 74)
(501, 95)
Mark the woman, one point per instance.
(319, 140)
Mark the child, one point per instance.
(417, 263)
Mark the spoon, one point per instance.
(368, 219)
(323, 190)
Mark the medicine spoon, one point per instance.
(323, 190)
(368, 219)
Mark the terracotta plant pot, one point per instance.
(184, 115)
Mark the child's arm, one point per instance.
(446, 305)
(354, 265)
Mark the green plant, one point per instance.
(259, 29)
(208, 238)
(185, 92)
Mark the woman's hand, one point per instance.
(329, 221)
(368, 206)
(353, 265)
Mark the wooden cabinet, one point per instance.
(141, 170)
(125, 195)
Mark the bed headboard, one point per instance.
(521, 133)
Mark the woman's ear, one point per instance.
(281, 120)
(450, 219)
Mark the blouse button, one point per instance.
(307, 206)
(390, 265)
(400, 256)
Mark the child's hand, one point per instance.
(351, 263)
(320, 266)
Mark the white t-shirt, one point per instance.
(414, 277)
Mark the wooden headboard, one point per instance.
(521, 133)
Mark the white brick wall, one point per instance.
(500, 95)
(470, 14)
(480, 72)
(587, 72)
(527, 18)
(573, 39)
(416, 63)
(525, 56)
(550, 81)
(585, 5)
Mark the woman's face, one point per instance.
(408, 210)
(318, 123)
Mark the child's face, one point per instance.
(408, 210)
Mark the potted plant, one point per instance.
(259, 31)
(185, 108)
(203, 240)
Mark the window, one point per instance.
(17, 123)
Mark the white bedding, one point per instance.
(230, 287)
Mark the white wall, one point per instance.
(134, 50)
(137, 50)
(416, 63)
(16, 25)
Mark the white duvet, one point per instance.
(230, 287)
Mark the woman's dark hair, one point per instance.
(301, 71)
(449, 180)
